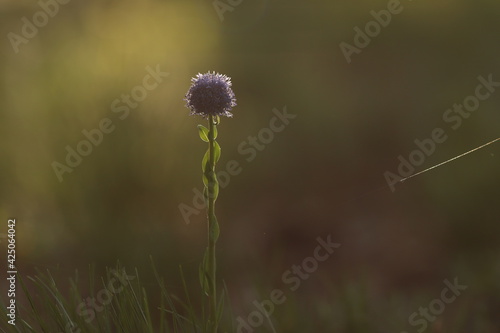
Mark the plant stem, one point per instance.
(212, 221)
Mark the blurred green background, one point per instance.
(323, 174)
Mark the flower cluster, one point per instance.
(210, 94)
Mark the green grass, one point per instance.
(120, 306)
(342, 307)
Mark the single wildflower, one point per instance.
(210, 94)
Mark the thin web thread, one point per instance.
(386, 186)
(451, 159)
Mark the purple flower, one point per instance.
(210, 94)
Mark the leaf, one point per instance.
(216, 120)
(214, 229)
(205, 195)
(216, 190)
(215, 132)
(205, 161)
(203, 132)
(203, 274)
(217, 151)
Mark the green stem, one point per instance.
(212, 221)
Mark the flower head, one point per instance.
(210, 94)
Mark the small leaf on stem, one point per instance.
(217, 151)
(203, 131)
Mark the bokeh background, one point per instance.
(323, 175)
